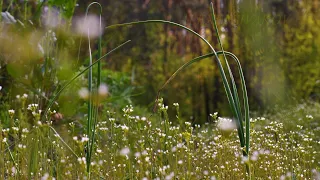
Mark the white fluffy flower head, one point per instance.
(225, 124)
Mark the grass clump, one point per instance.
(231, 92)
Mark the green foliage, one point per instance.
(132, 145)
(67, 7)
(301, 52)
(120, 88)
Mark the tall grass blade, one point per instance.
(234, 57)
(92, 110)
(90, 102)
(234, 87)
(239, 118)
(243, 87)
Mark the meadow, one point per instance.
(149, 146)
(65, 115)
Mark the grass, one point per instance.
(232, 96)
(137, 146)
(232, 93)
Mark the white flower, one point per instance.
(225, 124)
(245, 159)
(124, 127)
(137, 154)
(25, 130)
(309, 116)
(83, 93)
(32, 107)
(170, 176)
(128, 109)
(8, 18)
(187, 123)
(82, 160)
(11, 111)
(45, 176)
(0, 88)
(13, 170)
(174, 149)
(124, 151)
(84, 139)
(212, 178)
(144, 153)
(205, 172)
(103, 90)
(147, 159)
(254, 158)
(214, 115)
(89, 26)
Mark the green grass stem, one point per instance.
(243, 86)
(239, 117)
(234, 87)
(92, 109)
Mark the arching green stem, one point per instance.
(230, 97)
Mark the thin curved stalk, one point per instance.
(243, 87)
(183, 67)
(245, 101)
(58, 135)
(234, 87)
(92, 110)
(11, 157)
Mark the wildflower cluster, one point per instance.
(131, 146)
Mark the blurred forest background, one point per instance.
(277, 42)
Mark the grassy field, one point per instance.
(140, 146)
